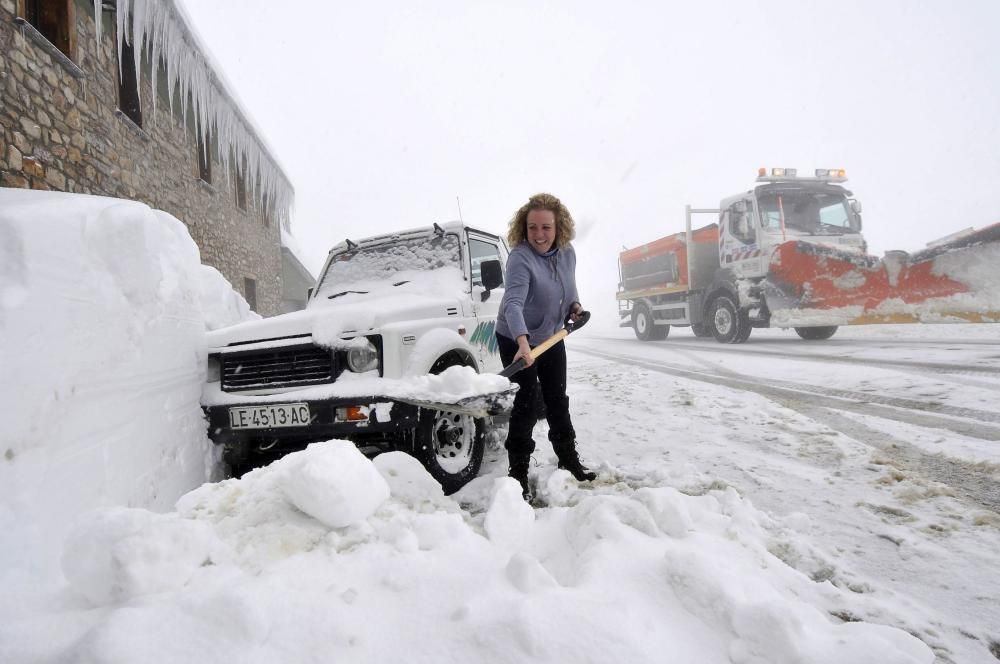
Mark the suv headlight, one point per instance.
(362, 355)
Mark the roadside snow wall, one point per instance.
(104, 305)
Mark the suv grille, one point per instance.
(278, 367)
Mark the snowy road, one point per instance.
(877, 451)
(815, 398)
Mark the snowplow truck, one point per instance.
(789, 253)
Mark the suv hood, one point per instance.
(327, 322)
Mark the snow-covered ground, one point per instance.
(875, 453)
(783, 501)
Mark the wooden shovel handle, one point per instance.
(548, 343)
(518, 364)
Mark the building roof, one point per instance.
(164, 30)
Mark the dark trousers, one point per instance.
(548, 374)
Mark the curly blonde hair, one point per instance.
(517, 231)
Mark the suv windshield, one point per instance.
(813, 212)
(360, 267)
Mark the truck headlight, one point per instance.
(362, 356)
(214, 373)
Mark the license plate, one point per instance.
(270, 416)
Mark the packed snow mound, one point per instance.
(645, 576)
(104, 307)
(334, 484)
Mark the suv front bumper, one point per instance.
(385, 421)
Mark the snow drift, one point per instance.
(104, 305)
(244, 571)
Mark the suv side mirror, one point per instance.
(492, 274)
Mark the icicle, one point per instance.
(98, 7)
(138, 38)
(120, 23)
(160, 28)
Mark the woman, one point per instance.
(540, 296)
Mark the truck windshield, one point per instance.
(812, 212)
(359, 267)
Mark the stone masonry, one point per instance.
(62, 131)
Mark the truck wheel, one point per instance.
(645, 328)
(701, 330)
(451, 446)
(729, 324)
(745, 329)
(816, 333)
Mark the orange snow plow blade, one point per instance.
(954, 282)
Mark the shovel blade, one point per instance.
(480, 405)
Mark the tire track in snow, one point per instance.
(976, 483)
(917, 412)
(937, 367)
(973, 482)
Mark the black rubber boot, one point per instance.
(570, 460)
(519, 471)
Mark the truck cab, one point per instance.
(786, 207)
(385, 308)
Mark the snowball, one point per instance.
(120, 553)
(334, 483)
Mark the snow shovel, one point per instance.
(499, 403)
(514, 367)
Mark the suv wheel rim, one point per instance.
(453, 440)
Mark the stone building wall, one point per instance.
(62, 131)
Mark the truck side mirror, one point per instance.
(856, 208)
(492, 274)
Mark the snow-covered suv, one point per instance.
(385, 310)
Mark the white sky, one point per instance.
(382, 113)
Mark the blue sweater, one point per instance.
(539, 293)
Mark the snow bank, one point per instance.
(644, 576)
(103, 310)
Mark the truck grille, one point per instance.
(278, 367)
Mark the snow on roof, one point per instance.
(290, 247)
(164, 30)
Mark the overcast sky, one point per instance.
(382, 113)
